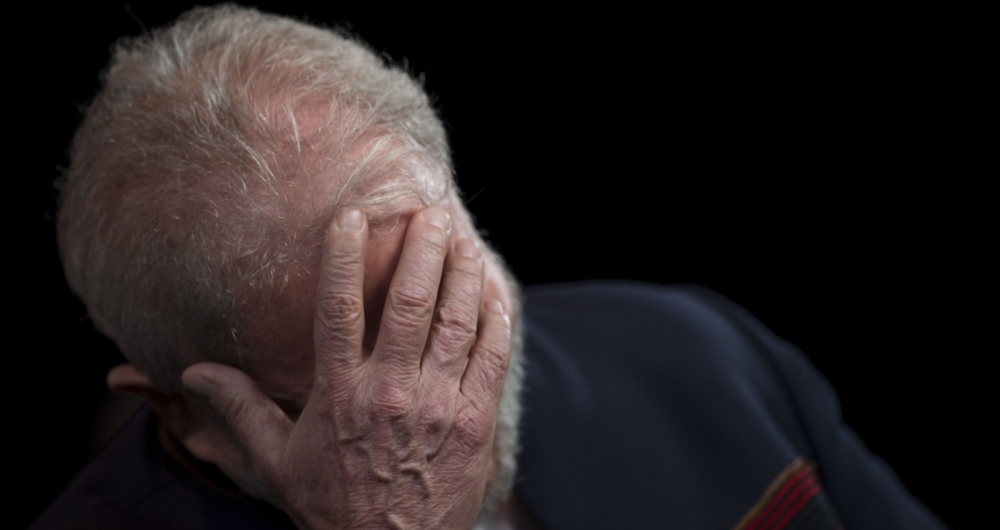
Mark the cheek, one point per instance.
(283, 366)
(288, 383)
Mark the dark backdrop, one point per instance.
(818, 168)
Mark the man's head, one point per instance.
(202, 181)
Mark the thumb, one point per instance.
(259, 424)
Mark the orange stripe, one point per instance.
(770, 492)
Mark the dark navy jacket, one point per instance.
(646, 407)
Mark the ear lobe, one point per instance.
(171, 407)
(127, 379)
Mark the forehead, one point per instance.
(379, 170)
(283, 354)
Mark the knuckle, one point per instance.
(235, 411)
(451, 341)
(497, 358)
(390, 402)
(473, 429)
(339, 307)
(458, 319)
(410, 304)
(438, 415)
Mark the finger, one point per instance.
(453, 330)
(409, 306)
(340, 318)
(259, 424)
(484, 376)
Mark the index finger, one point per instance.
(340, 317)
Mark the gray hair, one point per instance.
(181, 213)
(176, 218)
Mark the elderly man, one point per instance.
(261, 215)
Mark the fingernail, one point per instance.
(467, 247)
(438, 218)
(199, 385)
(495, 305)
(350, 220)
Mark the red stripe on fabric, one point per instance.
(789, 501)
(778, 508)
(779, 498)
(769, 493)
(797, 507)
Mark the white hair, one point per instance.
(181, 212)
(176, 211)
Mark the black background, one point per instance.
(823, 169)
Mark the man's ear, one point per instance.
(172, 407)
(204, 439)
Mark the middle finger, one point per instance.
(409, 306)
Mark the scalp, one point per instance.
(207, 168)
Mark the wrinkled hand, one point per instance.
(400, 437)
